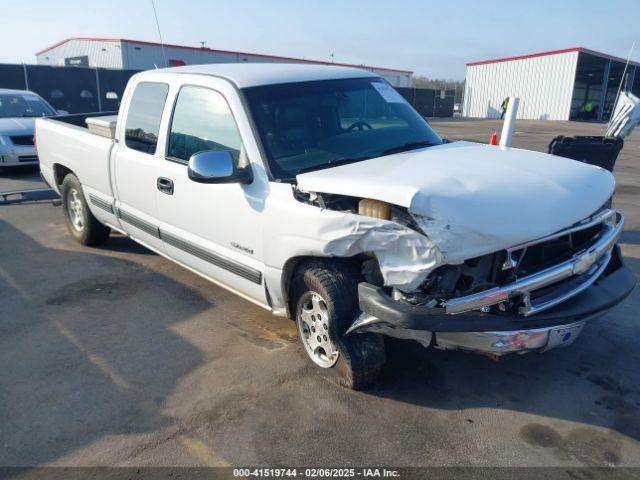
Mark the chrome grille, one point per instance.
(582, 264)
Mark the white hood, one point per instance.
(473, 199)
(17, 126)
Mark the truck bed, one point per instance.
(80, 119)
(67, 142)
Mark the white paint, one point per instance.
(544, 85)
(103, 54)
(144, 56)
(469, 199)
(473, 199)
(246, 75)
(509, 122)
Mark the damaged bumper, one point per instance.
(496, 333)
(585, 267)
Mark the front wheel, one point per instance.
(324, 296)
(84, 227)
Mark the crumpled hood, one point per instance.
(472, 199)
(17, 126)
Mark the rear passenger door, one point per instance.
(216, 229)
(136, 162)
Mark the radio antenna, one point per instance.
(155, 14)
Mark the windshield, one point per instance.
(313, 125)
(23, 105)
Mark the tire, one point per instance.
(353, 361)
(84, 227)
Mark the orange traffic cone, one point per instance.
(494, 139)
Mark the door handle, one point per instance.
(165, 185)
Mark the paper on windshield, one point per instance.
(387, 92)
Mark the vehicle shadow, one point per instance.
(593, 381)
(91, 350)
(86, 351)
(29, 173)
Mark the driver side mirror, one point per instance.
(217, 166)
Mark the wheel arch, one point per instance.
(293, 264)
(60, 172)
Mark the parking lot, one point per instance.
(116, 356)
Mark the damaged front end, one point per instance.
(531, 296)
(400, 255)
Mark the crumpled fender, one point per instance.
(405, 256)
(297, 229)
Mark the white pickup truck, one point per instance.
(320, 194)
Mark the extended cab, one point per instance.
(320, 194)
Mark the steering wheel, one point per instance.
(360, 126)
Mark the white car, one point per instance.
(317, 192)
(18, 112)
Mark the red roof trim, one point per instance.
(521, 57)
(552, 52)
(232, 52)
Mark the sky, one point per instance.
(433, 39)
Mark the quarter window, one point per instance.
(202, 121)
(145, 113)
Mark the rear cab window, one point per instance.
(144, 116)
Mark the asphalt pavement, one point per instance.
(115, 356)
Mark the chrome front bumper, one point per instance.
(592, 282)
(519, 341)
(586, 266)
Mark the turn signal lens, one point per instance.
(374, 208)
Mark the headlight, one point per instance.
(374, 208)
(4, 140)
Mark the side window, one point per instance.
(202, 121)
(143, 118)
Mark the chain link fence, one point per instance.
(74, 89)
(430, 102)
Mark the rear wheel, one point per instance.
(84, 227)
(324, 297)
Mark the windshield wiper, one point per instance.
(334, 163)
(409, 146)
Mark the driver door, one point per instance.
(215, 229)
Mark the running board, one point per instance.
(33, 195)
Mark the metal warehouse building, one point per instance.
(555, 85)
(140, 55)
